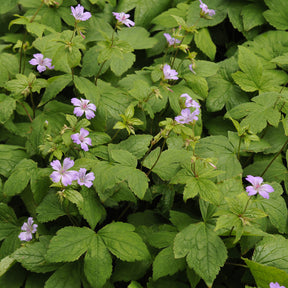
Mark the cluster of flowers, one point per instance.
(187, 116)
(205, 9)
(79, 15)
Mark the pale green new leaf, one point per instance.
(69, 244)
(97, 263)
(123, 242)
(5, 264)
(205, 252)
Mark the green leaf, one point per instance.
(168, 163)
(205, 252)
(51, 208)
(7, 6)
(137, 37)
(125, 244)
(69, 244)
(146, 10)
(198, 84)
(121, 62)
(275, 208)
(222, 89)
(123, 157)
(8, 68)
(20, 177)
(10, 156)
(7, 214)
(55, 85)
(264, 275)
(32, 256)
(219, 147)
(258, 113)
(5, 264)
(66, 276)
(180, 220)
(272, 251)
(276, 15)
(204, 42)
(92, 211)
(97, 263)
(253, 15)
(7, 106)
(252, 76)
(135, 144)
(165, 264)
(6, 229)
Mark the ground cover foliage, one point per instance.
(124, 152)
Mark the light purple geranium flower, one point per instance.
(83, 106)
(258, 187)
(29, 228)
(205, 9)
(190, 102)
(123, 18)
(41, 62)
(276, 285)
(85, 179)
(79, 138)
(62, 174)
(171, 41)
(169, 73)
(187, 117)
(191, 69)
(79, 14)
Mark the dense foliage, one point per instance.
(143, 143)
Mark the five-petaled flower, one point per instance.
(258, 187)
(62, 174)
(276, 285)
(28, 229)
(190, 102)
(123, 18)
(41, 62)
(187, 117)
(169, 73)
(79, 138)
(83, 106)
(171, 41)
(79, 14)
(85, 179)
(205, 9)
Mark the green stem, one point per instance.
(33, 104)
(274, 158)
(161, 150)
(98, 74)
(25, 35)
(115, 135)
(175, 55)
(239, 146)
(246, 206)
(29, 116)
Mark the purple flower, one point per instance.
(190, 102)
(79, 14)
(191, 69)
(276, 285)
(187, 117)
(171, 41)
(205, 9)
(83, 106)
(258, 187)
(85, 179)
(123, 18)
(41, 62)
(169, 73)
(28, 228)
(61, 173)
(79, 138)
